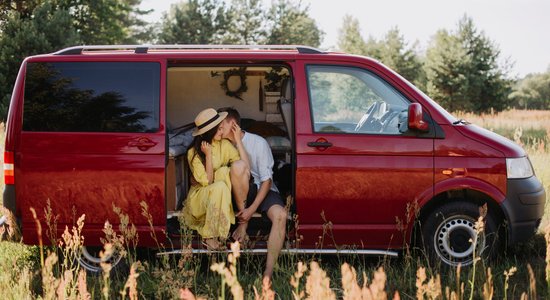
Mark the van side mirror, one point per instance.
(412, 119)
(416, 121)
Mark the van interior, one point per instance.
(261, 93)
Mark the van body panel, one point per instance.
(358, 183)
(93, 172)
(508, 148)
(455, 144)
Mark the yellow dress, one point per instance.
(208, 207)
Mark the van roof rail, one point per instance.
(145, 48)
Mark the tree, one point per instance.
(107, 22)
(349, 37)
(394, 53)
(194, 22)
(289, 23)
(48, 30)
(445, 68)
(463, 72)
(247, 23)
(391, 51)
(532, 92)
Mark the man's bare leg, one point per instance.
(277, 214)
(240, 178)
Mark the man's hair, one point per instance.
(231, 114)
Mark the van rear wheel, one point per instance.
(448, 233)
(91, 261)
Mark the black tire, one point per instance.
(447, 232)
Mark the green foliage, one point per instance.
(291, 24)
(244, 22)
(392, 50)
(48, 30)
(395, 54)
(42, 26)
(532, 92)
(463, 73)
(349, 37)
(194, 22)
(247, 25)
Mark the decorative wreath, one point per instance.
(240, 75)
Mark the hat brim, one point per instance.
(221, 117)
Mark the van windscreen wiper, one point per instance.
(461, 121)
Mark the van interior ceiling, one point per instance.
(262, 96)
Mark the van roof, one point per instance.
(142, 49)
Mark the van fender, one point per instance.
(455, 184)
(468, 184)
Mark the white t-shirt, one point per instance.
(261, 159)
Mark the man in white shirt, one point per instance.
(259, 194)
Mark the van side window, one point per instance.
(92, 97)
(353, 100)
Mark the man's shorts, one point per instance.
(272, 198)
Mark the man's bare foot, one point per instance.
(240, 234)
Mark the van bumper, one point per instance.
(524, 208)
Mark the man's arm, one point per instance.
(245, 214)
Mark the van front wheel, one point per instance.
(91, 260)
(448, 233)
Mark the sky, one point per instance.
(519, 28)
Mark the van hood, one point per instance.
(505, 146)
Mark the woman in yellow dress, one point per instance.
(208, 208)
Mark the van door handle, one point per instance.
(142, 143)
(320, 143)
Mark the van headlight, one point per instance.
(519, 168)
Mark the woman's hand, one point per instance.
(206, 148)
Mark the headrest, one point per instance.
(286, 89)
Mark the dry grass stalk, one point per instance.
(39, 233)
(131, 282)
(547, 238)
(186, 294)
(51, 222)
(83, 293)
(507, 275)
(488, 290)
(10, 226)
(267, 292)
(49, 282)
(318, 284)
(128, 232)
(532, 283)
(229, 274)
(106, 268)
(524, 296)
(376, 290)
(352, 290)
(70, 244)
(295, 281)
(430, 289)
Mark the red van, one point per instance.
(364, 159)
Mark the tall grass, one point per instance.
(522, 274)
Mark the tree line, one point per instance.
(460, 68)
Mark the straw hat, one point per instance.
(207, 119)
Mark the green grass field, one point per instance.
(521, 272)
